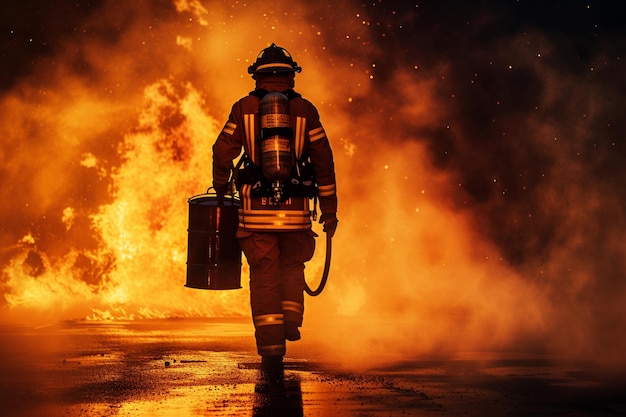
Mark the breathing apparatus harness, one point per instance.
(280, 175)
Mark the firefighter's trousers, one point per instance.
(276, 283)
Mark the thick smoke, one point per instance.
(523, 124)
(477, 149)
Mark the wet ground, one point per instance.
(210, 368)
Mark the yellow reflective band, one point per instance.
(272, 350)
(274, 64)
(260, 213)
(229, 129)
(293, 306)
(317, 134)
(245, 196)
(248, 120)
(299, 136)
(274, 219)
(326, 190)
(268, 320)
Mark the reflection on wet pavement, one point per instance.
(210, 368)
(278, 397)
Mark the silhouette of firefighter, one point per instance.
(286, 169)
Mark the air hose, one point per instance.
(319, 289)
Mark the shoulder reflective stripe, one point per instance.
(248, 120)
(326, 190)
(293, 306)
(299, 134)
(268, 320)
(229, 129)
(317, 134)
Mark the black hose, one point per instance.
(319, 289)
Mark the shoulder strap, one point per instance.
(291, 94)
(261, 92)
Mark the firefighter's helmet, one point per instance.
(274, 60)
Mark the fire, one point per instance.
(142, 231)
(103, 152)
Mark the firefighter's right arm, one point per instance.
(226, 148)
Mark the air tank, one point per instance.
(276, 136)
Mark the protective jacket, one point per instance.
(261, 212)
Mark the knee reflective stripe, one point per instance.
(326, 190)
(272, 350)
(293, 306)
(268, 320)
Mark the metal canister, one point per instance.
(213, 252)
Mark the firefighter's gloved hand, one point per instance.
(220, 190)
(330, 223)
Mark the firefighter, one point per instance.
(276, 213)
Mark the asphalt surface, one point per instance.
(210, 368)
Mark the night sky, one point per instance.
(527, 125)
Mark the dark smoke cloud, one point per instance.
(527, 86)
(515, 77)
(532, 133)
(34, 30)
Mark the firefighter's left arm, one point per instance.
(323, 164)
(322, 160)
